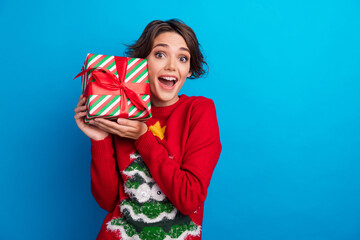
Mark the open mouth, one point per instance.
(167, 81)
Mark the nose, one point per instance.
(170, 64)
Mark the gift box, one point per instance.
(115, 87)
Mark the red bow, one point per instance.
(106, 83)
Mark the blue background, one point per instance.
(284, 76)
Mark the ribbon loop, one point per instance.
(127, 90)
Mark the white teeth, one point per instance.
(169, 78)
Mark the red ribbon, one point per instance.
(106, 83)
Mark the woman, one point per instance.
(153, 177)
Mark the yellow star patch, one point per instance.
(157, 130)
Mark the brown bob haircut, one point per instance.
(143, 46)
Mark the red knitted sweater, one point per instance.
(155, 187)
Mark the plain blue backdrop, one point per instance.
(285, 78)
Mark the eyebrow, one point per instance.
(165, 45)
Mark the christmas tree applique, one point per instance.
(148, 214)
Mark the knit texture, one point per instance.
(154, 188)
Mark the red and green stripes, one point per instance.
(104, 105)
(108, 106)
(98, 61)
(135, 113)
(136, 70)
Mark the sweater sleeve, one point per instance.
(104, 176)
(186, 184)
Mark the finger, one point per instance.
(102, 127)
(113, 124)
(80, 109)
(81, 102)
(79, 118)
(80, 115)
(107, 123)
(127, 122)
(115, 128)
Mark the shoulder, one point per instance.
(202, 118)
(198, 108)
(197, 102)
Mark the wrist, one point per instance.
(99, 137)
(144, 129)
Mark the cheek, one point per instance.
(151, 72)
(185, 70)
(153, 67)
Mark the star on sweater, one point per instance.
(157, 130)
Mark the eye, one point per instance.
(183, 59)
(159, 54)
(142, 193)
(156, 193)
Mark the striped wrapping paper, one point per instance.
(108, 106)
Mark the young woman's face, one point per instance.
(169, 66)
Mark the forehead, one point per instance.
(171, 39)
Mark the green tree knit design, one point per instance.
(140, 167)
(149, 209)
(147, 213)
(132, 184)
(154, 233)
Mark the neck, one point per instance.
(158, 103)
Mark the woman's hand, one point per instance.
(123, 127)
(91, 131)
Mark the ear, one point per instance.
(189, 74)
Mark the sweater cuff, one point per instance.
(99, 148)
(145, 143)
